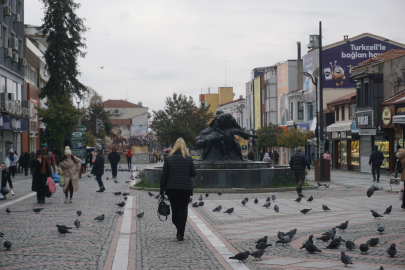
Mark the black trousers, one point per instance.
(13, 170)
(114, 170)
(129, 160)
(179, 205)
(41, 194)
(26, 170)
(374, 170)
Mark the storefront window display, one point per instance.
(355, 153)
(383, 146)
(343, 152)
(398, 138)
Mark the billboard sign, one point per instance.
(310, 63)
(282, 91)
(138, 139)
(78, 142)
(337, 62)
(118, 139)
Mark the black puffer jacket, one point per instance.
(114, 158)
(177, 172)
(376, 158)
(298, 162)
(98, 166)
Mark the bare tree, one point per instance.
(90, 96)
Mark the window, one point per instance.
(9, 86)
(14, 85)
(300, 111)
(31, 75)
(310, 111)
(337, 113)
(292, 111)
(20, 48)
(3, 84)
(4, 35)
(366, 95)
(343, 113)
(19, 92)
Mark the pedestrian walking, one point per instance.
(114, 159)
(251, 156)
(276, 157)
(266, 157)
(41, 172)
(70, 167)
(5, 178)
(98, 169)
(395, 160)
(261, 155)
(129, 159)
(375, 161)
(27, 160)
(49, 158)
(13, 160)
(298, 162)
(401, 156)
(176, 183)
(20, 163)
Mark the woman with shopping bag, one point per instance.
(70, 167)
(39, 177)
(401, 157)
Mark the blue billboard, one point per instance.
(337, 62)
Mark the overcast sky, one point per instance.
(151, 49)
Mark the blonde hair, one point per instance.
(180, 144)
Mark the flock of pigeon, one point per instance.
(331, 235)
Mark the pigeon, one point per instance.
(108, 178)
(308, 241)
(343, 226)
(280, 235)
(325, 208)
(324, 238)
(262, 245)
(267, 204)
(206, 195)
(157, 196)
(241, 257)
(276, 208)
(298, 199)
(8, 211)
(334, 244)
(273, 198)
(115, 181)
(127, 182)
(121, 204)
(217, 209)
(125, 194)
(7, 245)
(229, 211)
(246, 199)
(304, 211)
(327, 186)
(370, 191)
(195, 204)
(79, 213)
(191, 199)
(310, 199)
(381, 228)
(256, 201)
(373, 242)
(100, 218)
(311, 248)
(392, 250)
(125, 198)
(77, 223)
(364, 248)
(243, 202)
(381, 268)
(201, 204)
(292, 233)
(200, 198)
(319, 184)
(285, 240)
(62, 230)
(219, 193)
(350, 245)
(345, 259)
(117, 193)
(376, 215)
(1, 234)
(89, 176)
(120, 212)
(262, 240)
(388, 210)
(268, 199)
(150, 194)
(37, 210)
(140, 215)
(257, 254)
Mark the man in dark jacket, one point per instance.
(261, 156)
(276, 156)
(298, 162)
(5, 177)
(251, 156)
(114, 159)
(98, 169)
(375, 161)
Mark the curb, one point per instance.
(234, 190)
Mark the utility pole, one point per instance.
(321, 160)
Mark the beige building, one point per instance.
(224, 95)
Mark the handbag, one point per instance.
(61, 179)
(163, 208)
(48, 193)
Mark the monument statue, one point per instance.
(218, 140)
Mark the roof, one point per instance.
(118, 122)
(398, 98)
(345, 99)
(387, 56)
(237, 100)
(359, 37)
(119, 103)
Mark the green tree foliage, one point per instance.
(60, 120)
(97, 111)
(293, 138)
(65, 43)
(90, 139)
(268, 135)
(180, 118)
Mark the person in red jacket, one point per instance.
(129, 159)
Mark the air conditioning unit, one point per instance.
(14, 43)
(8, 52)
(17, 18)
(117, 111)
(23, 62)
(18, 108)
(7, 11)
(14, 58)
(4, 102)
(26, 106)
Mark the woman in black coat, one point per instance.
(40, 174)
(176, 183)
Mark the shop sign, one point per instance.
(335, 135)
(386, 116)
(364, 119)
(400, 110)
(343, 134)
(369, 132)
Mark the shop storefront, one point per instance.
(10, 134)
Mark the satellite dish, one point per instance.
(140, 104)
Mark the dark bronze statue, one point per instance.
(218, 140)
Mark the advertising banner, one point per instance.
(337, 62)
(78, 142)
(310, 63)
(139, 140)
(282, 90)
(244, 146)
(118, 139)
(258, 111)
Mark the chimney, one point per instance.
(345, 37)
(299, 49)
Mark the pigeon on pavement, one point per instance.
(107, 178)
(7, 245)
(370, 191)
(392, 250)
(79, 213)
(298, 199)
(125, 194)
(115, 181)
(200, 198)
(350, 245)
(280, 235)
(127, 182)
(334, 244)
(77, 223)
(311, 248)
(150, 194)
(388, 210)
(157, 196)
(246, 199)
(273, 197)
(243, 202)
(291, 233)
(257, 254)
(195, 204)
(276, 208)
(117, 193)
(325, 208)
(121, 204)
(37, 210)
(308, 241)
(267, 204)
(345, 259)
(217, 209)
(285, 240)
(324, 238)
(343, 226)
(125, 198)
(268, 199)
(62, 230)
(100, 218)
(262, 240)
(206, 195)
(219, 193)
(310, 199)
(120, 212)
(1, 234)
(229, 211)
(376, 215)
(241, 257)
(262, 245)
(381, 228)
(373, 242)
(8, 211)
(304, 211)
(256, 201)
(201, 204)
(140, 215)
(363, 248)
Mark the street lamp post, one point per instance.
(315, 82)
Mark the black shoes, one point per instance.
(101, 189)
(180, 238)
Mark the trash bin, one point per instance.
(326, 169)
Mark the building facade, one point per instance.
(224, 95)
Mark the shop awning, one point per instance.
(398, 119)
(343, 126)
(313, 125)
